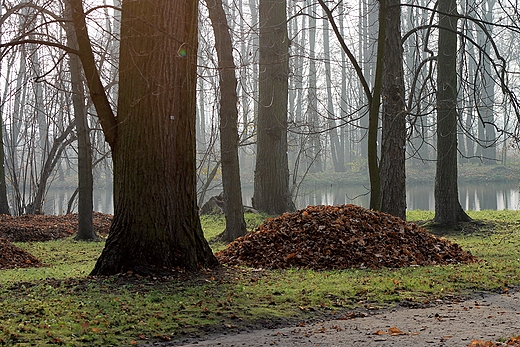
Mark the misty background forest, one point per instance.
(51, 133)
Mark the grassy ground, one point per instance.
(59, 304)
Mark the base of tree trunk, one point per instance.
(460, 217)
(93, 238)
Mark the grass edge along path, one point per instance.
(59, 305)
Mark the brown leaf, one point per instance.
(394, 331)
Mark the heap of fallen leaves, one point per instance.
(34, 228)
(340, 237)
(13, 257)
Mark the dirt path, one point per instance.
(483, 317)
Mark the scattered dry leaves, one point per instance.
(340, 237)
(512, 342)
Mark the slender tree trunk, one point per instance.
(4, 203)
(51, 160)
(392, 169)
(373, 119)
(487, 112)
(447, 207)
(233, 207)
(314, 157)
(271, 186)
(338, 160)
(85, 178)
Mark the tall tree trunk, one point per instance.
(4, 202)
(156, 227)
(233, 207)
(373, 117)
(392, 168)
(85, 178)
(314, 157)
(447, 207)
(271, 186)
(487, 100)
(338, 160)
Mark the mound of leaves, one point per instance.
(340, 237)
(12, 257)
(33, 228)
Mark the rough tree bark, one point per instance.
(392, 166)
(271, 186)
(156, 227)
(373, 116)
(233, 207)
(447, 206)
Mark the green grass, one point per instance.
(58, 304)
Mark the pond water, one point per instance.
(492, 196)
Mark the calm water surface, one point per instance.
(492, 196)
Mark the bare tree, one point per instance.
(271, 186)
(235, 223)
(447, 205)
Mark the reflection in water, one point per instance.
(476, 197)
(492, 196)
(57, 200)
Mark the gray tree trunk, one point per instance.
(314, 157)
(233, 207)
(448, 210)
(271, 186)
(338, 159)
(392, 167)
(85, 179)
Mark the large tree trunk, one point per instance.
(447, 207)
(156, 227)
(392, 168)
(271, 186)
(233, 207)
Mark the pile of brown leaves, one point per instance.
(340, 237)
(13, 257)
(32, 228)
